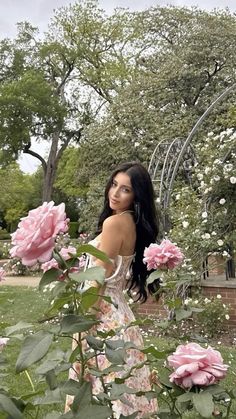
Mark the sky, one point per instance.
(39, 12)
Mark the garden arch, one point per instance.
(172, 156)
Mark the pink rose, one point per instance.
(3, 342)
(49, 265)
(66, 252)
(196, 366)
(162, 256)
(2, 274)
(34, 239)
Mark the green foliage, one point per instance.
(213, 318)
(4, 235)
(18, 194)
(73, 229)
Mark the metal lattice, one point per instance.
(177, 157)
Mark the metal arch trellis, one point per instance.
(170, 155)
(162, 165)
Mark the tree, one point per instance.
(18, 194)
(54, 88)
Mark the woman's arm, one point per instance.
(110, 241)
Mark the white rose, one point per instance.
(232, 179)
(207, 236)
(226, 254)
(222, 201)
(217, 178)
(213, 233)
(220, 242)
(185, 224)
(218, 296)
(177, 197)
(204, 214)
(227, 317)
(200, 176)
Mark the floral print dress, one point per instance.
(114, 317)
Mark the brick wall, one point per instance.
(227, 290)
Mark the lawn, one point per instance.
(28, 304)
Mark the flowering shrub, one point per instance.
(214, 315)
(62, 270)
(203, 212)
(63, 273)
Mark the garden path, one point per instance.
(26, 281)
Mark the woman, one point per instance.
(127, 224)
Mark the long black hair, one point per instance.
(146, 219)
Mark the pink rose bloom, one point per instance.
(3, 342)
(49, 265)
(162, 256)
(196, 366)
(2, 274)
(64, 252)
(34, 239)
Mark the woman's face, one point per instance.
(121, 195)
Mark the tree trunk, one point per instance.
(51, 168)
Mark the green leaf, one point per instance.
(115, 344)
(88, 248)
(167, 414)
(96, 273)
(51, 379)
(59, 303)
(46, 366)
(96, 344)
(33, 349)
(71, 387)
(182, 314)
(49, 276)
(203, 403)
(115, 357)
(89, 298)
(185, 397)
(93, 411)
(19, 326)
(7, 406)
(51, 397)
(153, 276)
(83, 397)
(153, 351)
(117, 390)
(76, 324)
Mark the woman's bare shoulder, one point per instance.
(114, 221)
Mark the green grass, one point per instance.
(28, 304)
(24, 304)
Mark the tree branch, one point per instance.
(27, 150)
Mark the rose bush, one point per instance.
(196, 366)
(34, 239)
